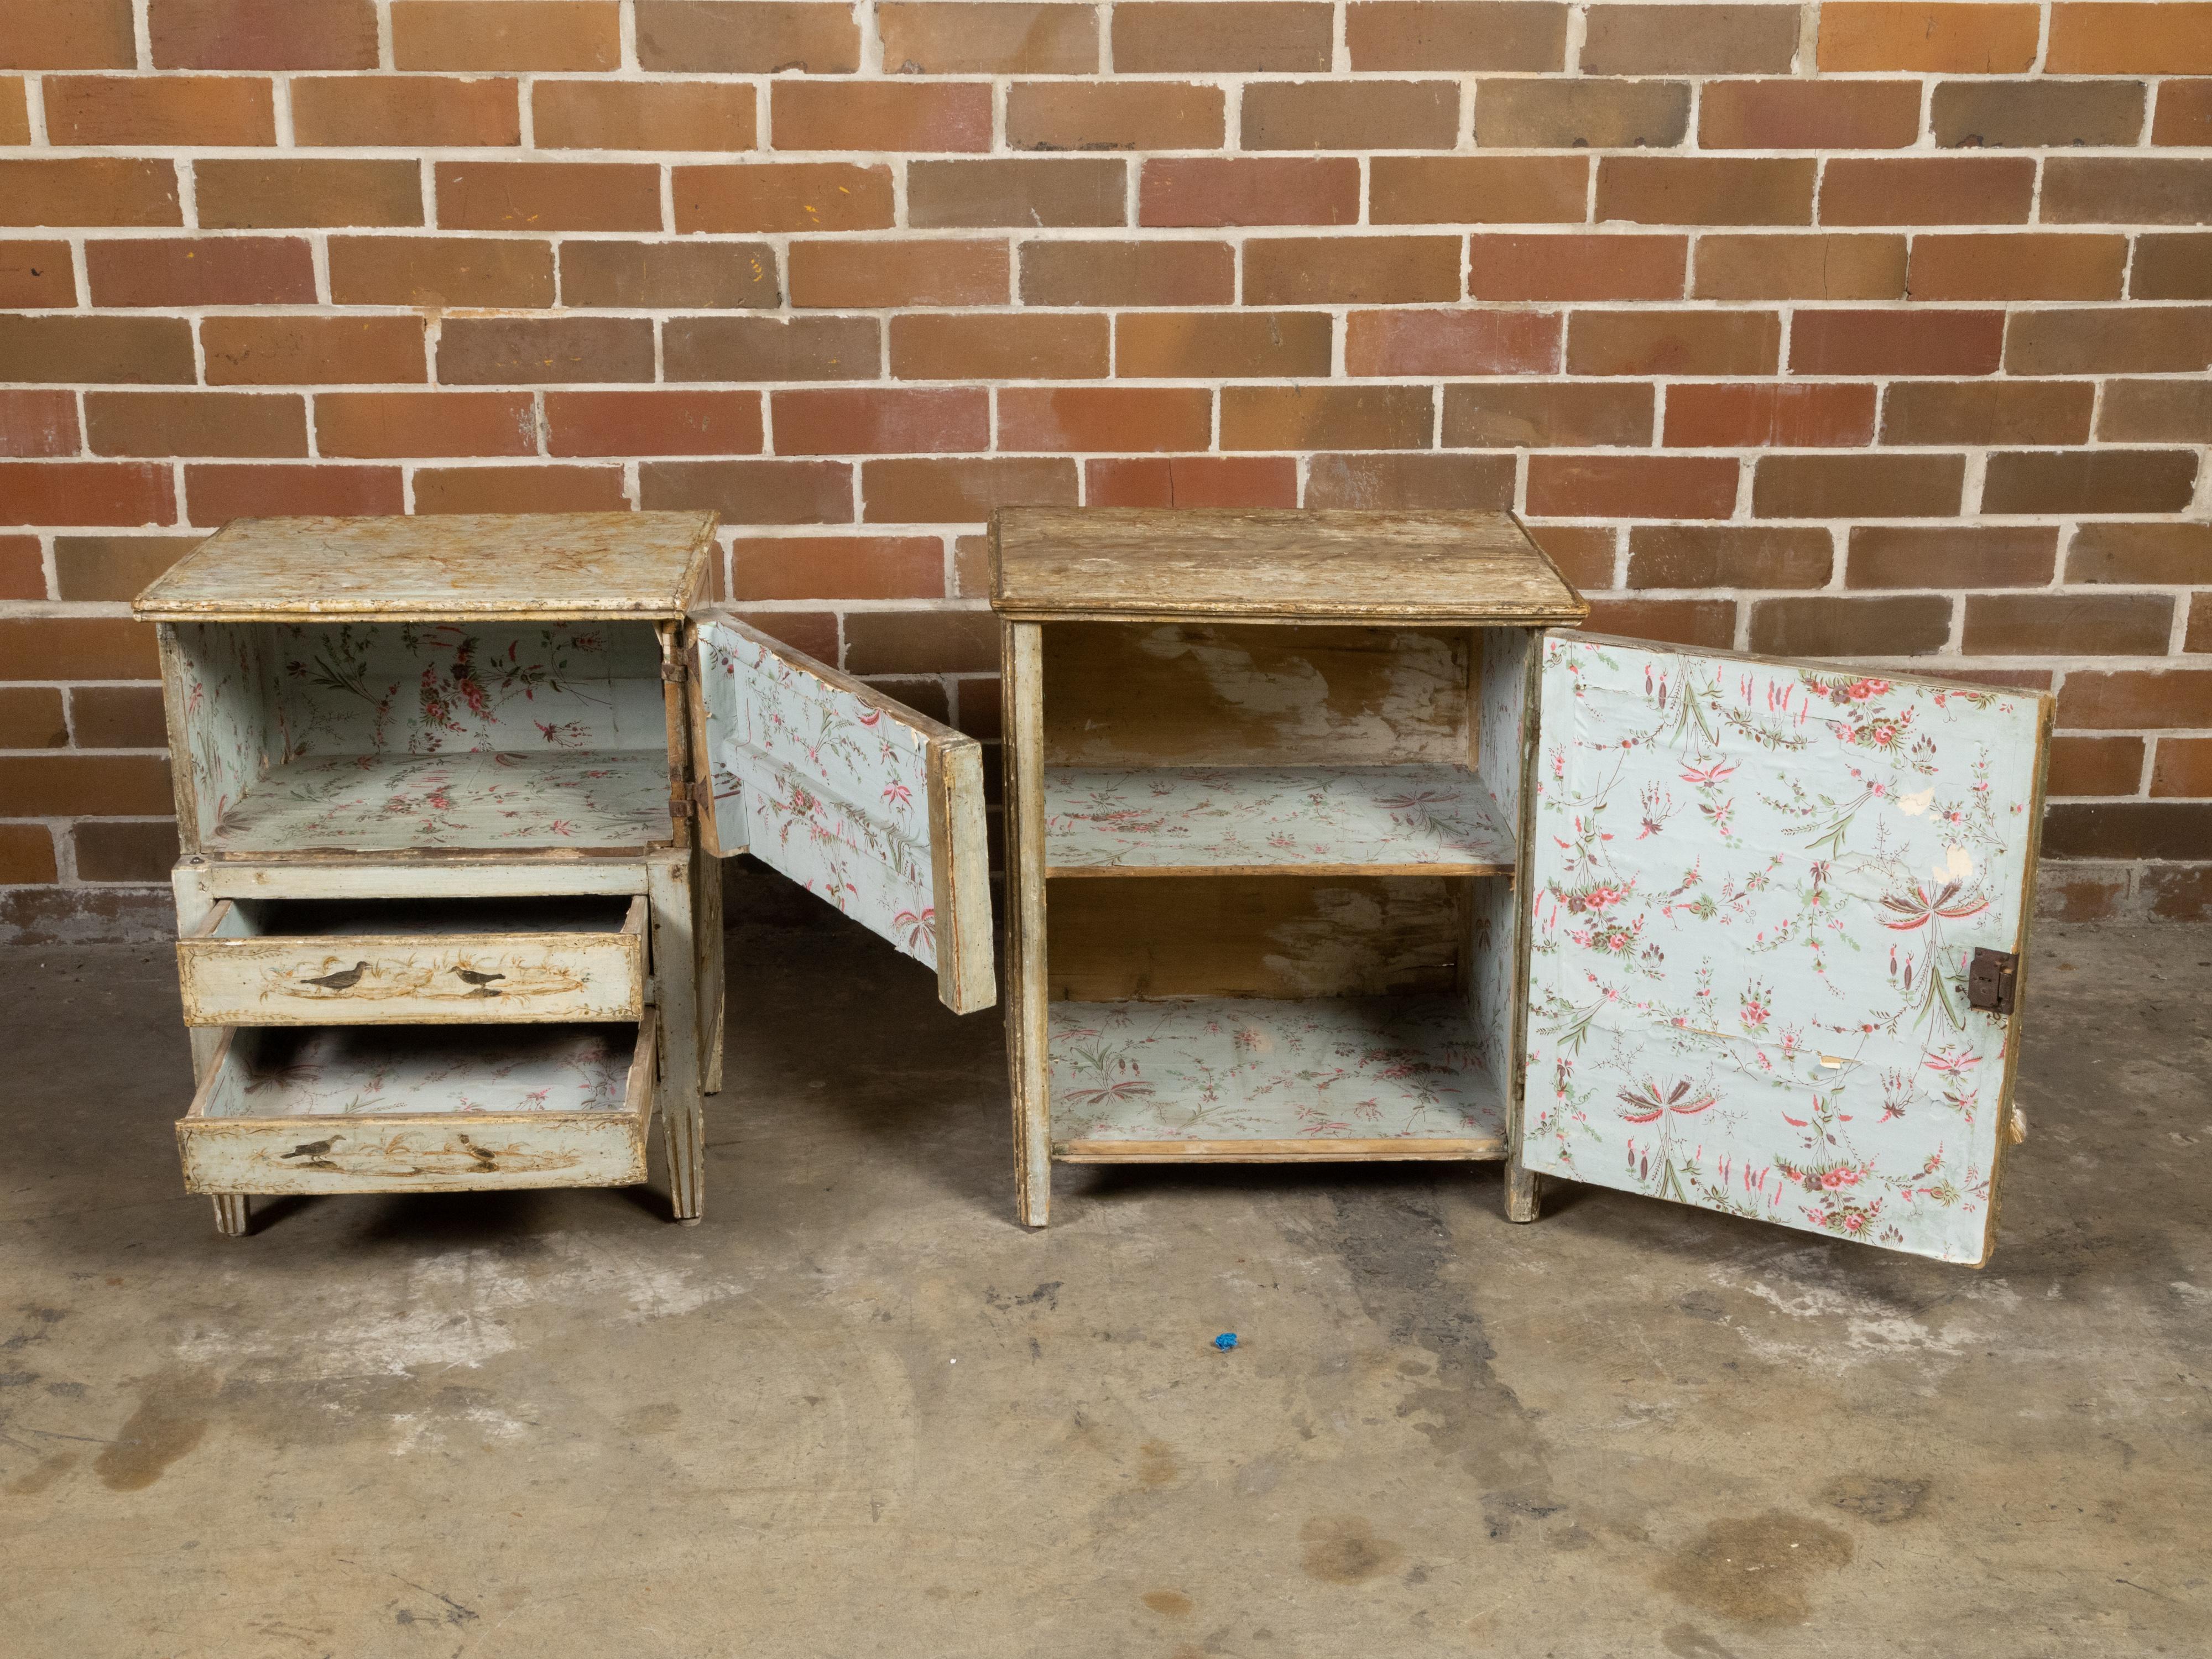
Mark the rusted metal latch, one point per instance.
(673, 670)
(1992, 977)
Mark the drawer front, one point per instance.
(403, 979)
(225, 1150)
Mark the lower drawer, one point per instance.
(424, 1109)
(372, 961)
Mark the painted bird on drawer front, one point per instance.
(344, 981)
(482, 981)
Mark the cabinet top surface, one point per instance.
(1064, 563)
(521, 565)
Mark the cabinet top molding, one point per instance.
(517, 567)
(1051, 564)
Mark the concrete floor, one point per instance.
(860, 1412)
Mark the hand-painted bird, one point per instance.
(344, 981)
(482, 981)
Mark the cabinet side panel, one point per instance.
(224, 726)
(1028, 1057)
(1500, 706)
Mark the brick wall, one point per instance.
(1867, 330)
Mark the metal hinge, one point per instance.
(674, 670)
(1992, 978)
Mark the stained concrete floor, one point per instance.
(860, 1412)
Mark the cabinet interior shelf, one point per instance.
(1314, 820)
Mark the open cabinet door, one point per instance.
(856, 797)
(1755, 894)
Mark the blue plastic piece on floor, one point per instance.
(1225, 1341)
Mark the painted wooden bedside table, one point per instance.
(1327, 840)
(451, 793)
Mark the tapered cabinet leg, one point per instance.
(683, 1110)
(1522, 1201)
(230, 1214)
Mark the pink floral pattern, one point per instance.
(367, 1071)
(1756, 889)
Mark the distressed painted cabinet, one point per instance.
(452, 794)
(1328, 839)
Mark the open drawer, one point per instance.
(393, 962)
(340, 1109)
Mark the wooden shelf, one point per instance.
(1310, 820)
(1259, 1080)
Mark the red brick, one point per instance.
(543, 196)
(660, 115)
(2184, 114)
(964, 490)
(2199, 635)
(276, 195)
(1112, 420)
(215, 494)
(35, 276)
(1659, 39)
(1940, 190)
(1575, 267)
(1504, 414)
(2164, 190)
(1908, 625)
(90, 190)
(85, 492)
(2095, 766)
(200, 271)
(14, 111)
(1992, 412)
(544, 350)
(904, 421)
(1114, 115)
(154, 423)
(1419, 189)
(123, 350)
(1581, 115)
(1222, 345)
(2094, 339)
(921, 642)
(949, 38)
(717, 276)
(1583, 553)
(837, 567)
(1448, 34)
(914, 273)
(271, 350)
(506, 34)
(38, 423)
(1858, 35)
(447, 272)
(657, 423)
(783, 196)
(132, 852)
(1896, 341)
(262, 34)
(22, 571)
(1728, 556)
(2090, 481)
(2171, 38)
(70, 786)
(398, 425)
(1254, 190)
(113, 568)
(911, 116)
(1127, 273)
(1770, 416)
(2067, 624)
(1304, 271)
(519, 490)
(2023, 266)
(2172, 267)
(748, 37)
(1153, 38)
(2156, 411)
(2179, 554)
(1002, 346)
(1858, 486)
(1350, 115)
(2182, 893)
(1952, 556)
(772, 348)
(59, 34)
(1797, 114)
(405, 111)
(1708, 623)
(1193, 481)
(1018, 190)
(1683, 189)
(31, 716)
(1410, 481)
(1631, 486)
(752, 492)
(2035, 114)
(79, 648)
(2136, 830)
(2136, 699)
(1809, 266)
(1674, 342)
(1457, 341)
(159, 109)
(2182, 767)
(1326, 417)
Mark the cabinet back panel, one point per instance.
(1147, 937)
(1175, 694)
